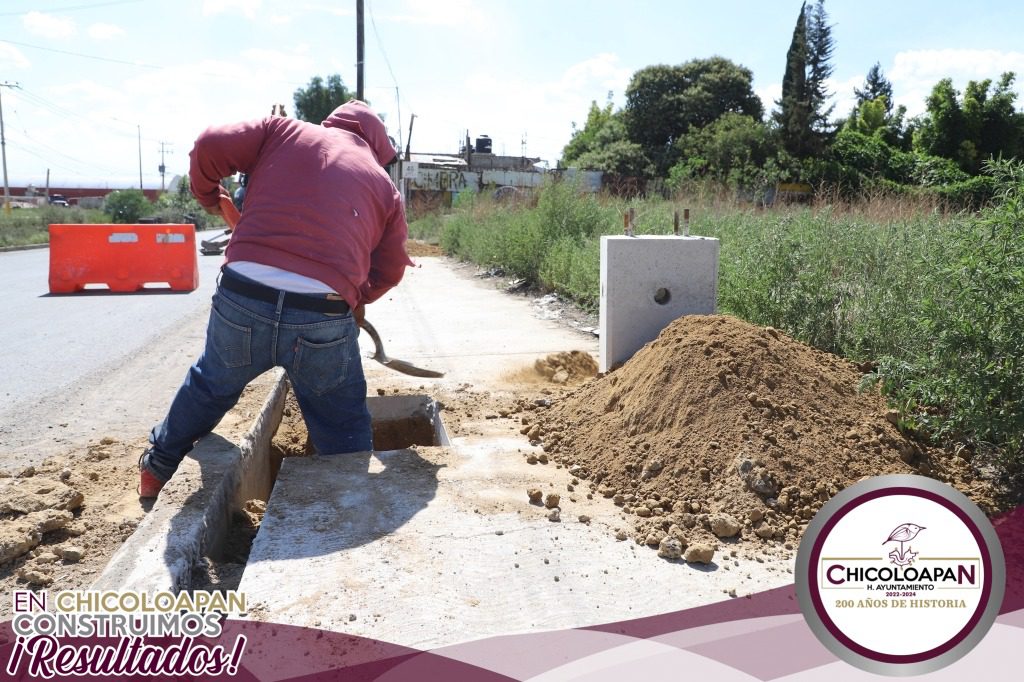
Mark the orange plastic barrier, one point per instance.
(123, 257)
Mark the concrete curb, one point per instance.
(25, 247)
(192, 514)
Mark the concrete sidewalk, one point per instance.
(435, 546)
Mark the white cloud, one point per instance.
(465, 13)
(769, 94)
(915, 72)
(269, 62)
(248, 8)
(104, 31)
(843, 96)
(48, 25)
(603, 70)
(511, 109)
(12, 58)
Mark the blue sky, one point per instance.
(94, 74)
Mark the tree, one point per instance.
(802, 117)
(613, 152)
(733, 149)
(869, 117)
(974, 128)
(793, 115)
(315, 102)
(584, 139)
(875, 85)
(127, 205)
(664, 102)
(820, 47)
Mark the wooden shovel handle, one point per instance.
(228, 211)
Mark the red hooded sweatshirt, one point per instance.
(319, 202)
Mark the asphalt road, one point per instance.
(66, 357)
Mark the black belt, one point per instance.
(316, 302)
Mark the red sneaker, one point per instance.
(149, 484)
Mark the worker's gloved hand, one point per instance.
(359, 314)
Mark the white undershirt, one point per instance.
(279, 279)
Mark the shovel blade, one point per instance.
(410, 369)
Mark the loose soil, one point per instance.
(63, 520)
(717, 432)
(721, 429)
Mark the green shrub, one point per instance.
(963, 381)
(970, 194)
(426, 228)
(127, 205)
(177, 205)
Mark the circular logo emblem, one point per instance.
(900, 575)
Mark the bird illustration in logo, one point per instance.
(905, 532)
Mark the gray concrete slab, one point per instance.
(435, 546)
(442, 318)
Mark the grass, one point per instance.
(933, 297)
(27, 226)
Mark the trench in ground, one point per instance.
(399, 422)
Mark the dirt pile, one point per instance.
(721, 429)
(567, 367)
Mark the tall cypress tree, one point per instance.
(793, 115)
(820, 47)
(803, 115)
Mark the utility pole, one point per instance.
(163, 168)
(408, 141)
(3, 148)
(139, 128)
(360, 53)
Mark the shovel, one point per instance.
(215, 246)
(231, 216)
(392, 363)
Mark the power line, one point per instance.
(142, 65)
(72, 8)
(125, 62)
(387, 62)
(53, 108)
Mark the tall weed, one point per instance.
(964, 382)
(934, 297)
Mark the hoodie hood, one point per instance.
(356, 117)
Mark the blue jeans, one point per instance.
(245, 338)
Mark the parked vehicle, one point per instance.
(58, 200)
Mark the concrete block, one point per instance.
(193, 510)
(646, 283)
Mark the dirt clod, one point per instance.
(699, 553)
(564, 368)
(670, 548)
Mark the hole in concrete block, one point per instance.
(402, 421)
(662, 296)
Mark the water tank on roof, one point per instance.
(483, 145)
